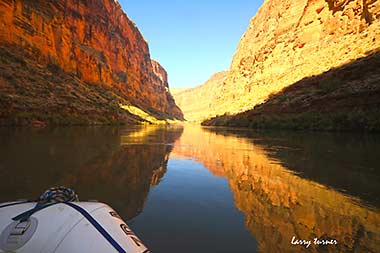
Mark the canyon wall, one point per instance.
(197, 103)
(290, 40)
(167, 101)
(345, 98)
(94, 41)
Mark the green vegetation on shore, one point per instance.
(359, 120)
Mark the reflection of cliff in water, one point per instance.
(279, 204)
(112, 165)
(346, 162)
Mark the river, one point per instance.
(193, 189)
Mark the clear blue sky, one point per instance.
(191, 39)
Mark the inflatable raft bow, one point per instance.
(58, 223)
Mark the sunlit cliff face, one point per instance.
(197, 103)
(285, 42)
(276, 202)
(289, 40)
(93, 40)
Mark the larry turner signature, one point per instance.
(316, 241)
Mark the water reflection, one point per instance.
(279, 204)
(345, 162)
(286, 184)
(97, 162)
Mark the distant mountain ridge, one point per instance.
(95, 43)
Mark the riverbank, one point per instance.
(36, 95)
(342, 99)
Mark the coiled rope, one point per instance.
(51, 196)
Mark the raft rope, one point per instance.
(51, 196)
(57, 195)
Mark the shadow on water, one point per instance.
(279, 202)
(113, 165)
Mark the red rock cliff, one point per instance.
(161, 79)
(289, 40)
(94, 40)
(197, 103)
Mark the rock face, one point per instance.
(160, 73)
(161, 78)
(289, 40)
(92, 40)
(197, 103)
(343, 98)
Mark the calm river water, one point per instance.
(193, 189)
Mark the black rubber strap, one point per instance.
(26, 215)
(98, 227)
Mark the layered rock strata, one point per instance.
(197, 103)
(290, 40)
(94, 41)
